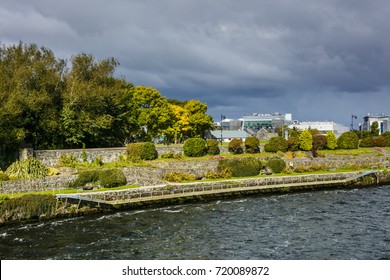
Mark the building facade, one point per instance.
(323, 127)
(266, 121)
(383, 122)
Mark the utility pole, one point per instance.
(222, 118)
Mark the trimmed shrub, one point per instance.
(195, 147)
(276, 144)
(331, 140)
(366, 142)
(85, 177)
(306, 141)
(276, 164)
(178, 177)
(235, 146)
(212, 147)
(27, 169)
(141, 151)
(348, 140)
(112, 178)
(252, 145)
(106, 178)
(242, 167)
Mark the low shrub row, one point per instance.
(105, 178)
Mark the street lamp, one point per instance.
(353, 117)
(222, 118)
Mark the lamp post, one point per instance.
(222, 118)
(353, 117)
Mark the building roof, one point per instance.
(229, 134)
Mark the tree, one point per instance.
(96, 106)
(331, 140)
(375, 129)
(199, 121)
(180, 124)
(153, 113)
(31, 81)
(348, 140)
(306, 140)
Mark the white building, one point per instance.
(323, 127)
(383, 122)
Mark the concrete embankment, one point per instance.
(173, 193)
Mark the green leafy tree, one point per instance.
(331, 140)
(306, 140)
(154, 114)
(199, 121)
(375, 129)
(348, 140)
(31, 81)
(96, 106)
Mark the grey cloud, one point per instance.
(238, 56)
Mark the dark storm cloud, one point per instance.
(315, 59)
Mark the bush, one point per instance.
(195, 147)
(306, 141)
(26, 207)
(112, 178)
(141, 151)
(276, 164)
(212, 147)
(240, 167)
(379, 141)
(3, 176)
(276, 144)
(106, 178)
(235, 146)
(293, 144)
(68, 161)
(85, 177)
(366, 142)
(331, 140)
(319, 142)
(169, 154)
(178, 177)
(252, 145)
(348, 140)
(30, 168)
(386, 136)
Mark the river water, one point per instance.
(334, 224)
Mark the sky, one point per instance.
(320, 60)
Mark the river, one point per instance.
(334, 224)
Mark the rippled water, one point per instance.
(338, 224)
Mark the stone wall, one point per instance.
(44, 184)
(51, 157)
(169, 189)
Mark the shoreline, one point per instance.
(179, 193)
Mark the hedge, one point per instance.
(276, 164)
(242, 167)
(195, 147)
(141, 151)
